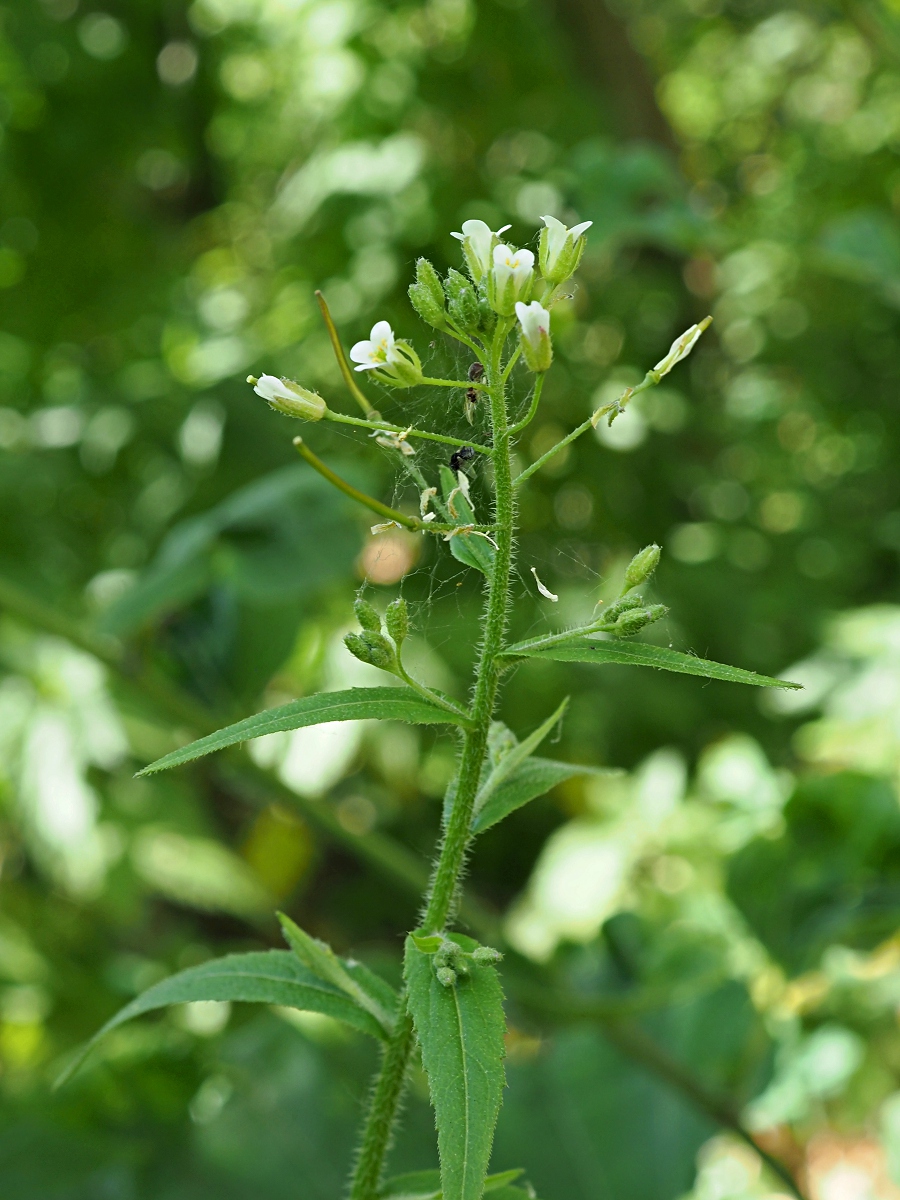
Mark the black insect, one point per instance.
(475, 373)
(463, 455)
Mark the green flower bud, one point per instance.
(484, 955)
(462, 302)
(367, 615)
(631, 623)
(288, 397)
(637, 619)
(642, 566)
(624, 605)
(427, 295)
(446, 976)
(372, 648)
(397, 619)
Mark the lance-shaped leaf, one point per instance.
(262, 977)
(530, 779)
(460, 1030)
(515, 754)
(640, 654)
(369, 992)
(354, 704)
(472, 549)
(426, 1185)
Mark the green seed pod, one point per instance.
(396, 619)
(446, 976)
(367, 615)
(372, 648)
(486, 954)
(427, 295)
(642, 566)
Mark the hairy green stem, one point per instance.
(387, 1093)
(443, 897)
(386, 427)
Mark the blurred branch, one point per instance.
(393, 861)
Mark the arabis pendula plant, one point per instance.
(448, 1012)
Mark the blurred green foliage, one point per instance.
(176, 181)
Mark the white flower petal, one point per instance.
(545, 591)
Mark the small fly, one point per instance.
(463, 455)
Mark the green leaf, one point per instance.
(417, 1185)
(516, 754)
(426, 1185)
(640, 654)
(354, 704)
(469, 548)
(530, 779)
(262, 977)
(319, 958)
(460, 1031)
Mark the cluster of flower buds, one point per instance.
(371, 646)
(288, 397)
(450, 961)
(629, 615)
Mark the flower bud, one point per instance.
(534, 336)
(483, 955)
(288, 397)
(372, 648)
(397, 619)
(446, 976)
(637, 619)
(427, 295)
(366, 615)
(510, 279)
(680, 348)
(611, 614)
(560, 249)
(641, 566)
(462, 302)
(631, 622)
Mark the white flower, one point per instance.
(561, 248)
(681, 348)
(378, 351)
(510, 278)
(537, 348)
(478, 241)
(288, 397)
(517, 263)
